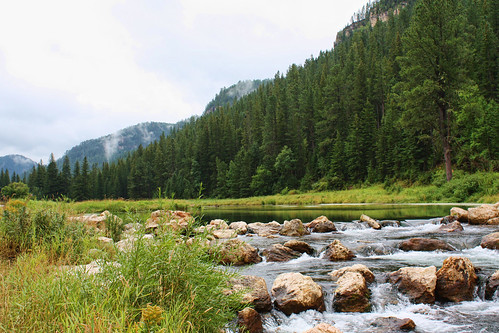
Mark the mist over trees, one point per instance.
(394, 101)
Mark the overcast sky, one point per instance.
(77, 70)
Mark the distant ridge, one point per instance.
(16, 163)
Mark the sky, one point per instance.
(73, 70)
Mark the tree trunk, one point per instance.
(445, 136)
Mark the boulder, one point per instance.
(490, 241)
(293, 228)
(494, 221)
(352, 294)
(392, 325)
(294, 293)
(480, 215)
(323, 328)
(358, 268)
(264, 229)
(451, 227)
(418, 283)
(448, 219)
(460, 214)
(321, 224)
(224, 233)
(219, 224)
(240, 227)
(249, 321)
(492, 285)
(236, 252)
(425, 244)
(280, 253)
(337, 252)
(299, 246)
(173, 220)
(390, 223)
(97, 221)
(371, 222)
(456, 280)
(255, 290)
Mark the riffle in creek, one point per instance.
(379, 251)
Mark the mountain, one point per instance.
(227, 96)
(16, 163)
(110, 147)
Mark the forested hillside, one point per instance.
(398, 99)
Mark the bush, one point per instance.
(15, 191)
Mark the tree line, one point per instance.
(395, 101)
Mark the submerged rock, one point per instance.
(323, 328)
(392, 325)
(371, 222)
(390, 223)
(456, 280)
(321, 225)
(249, 321)
(492, 285)
(280, 253)
(299, 246)
(490, 241)
(425, 244)
(293, 228)
(294, 293)
(418, 283)
(238, 253)
(352, 294)
(336, 251)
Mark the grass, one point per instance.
(168, 285)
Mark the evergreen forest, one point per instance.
(399, 99)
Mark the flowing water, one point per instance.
(377, 249)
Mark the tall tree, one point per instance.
(433, 69)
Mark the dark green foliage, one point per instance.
(15, 190)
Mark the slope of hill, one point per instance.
(16, 163)
(110, 147)
(227, 96)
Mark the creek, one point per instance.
(378, 250)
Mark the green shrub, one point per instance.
(15, 190)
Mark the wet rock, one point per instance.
(418, 283)
(460, 214)
(492, 285)
(392, 325)
(456, 280)
(173, 220)
(371, 222)
(482, 214)
(375, 249)
(451, 227)
(358, 268)
(390, 223)
(494, 221)
(337, 252)
(237, 252)
(490, 241)
(323, 328)
(280, 253)
(299, 246)
(293, 228)
(448, 219)
(294, 293)
(264, 229)
(321, 225)
(240, 227)
(255, 291)
(352, 294)
(425, 244)
(249, 321)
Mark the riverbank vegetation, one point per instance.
(170, 285)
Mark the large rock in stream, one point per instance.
(370, 221)
(460, 214)
(490, 241)
(418, 283)
(425, 244)
(294, 228)
(250, 321)
(492, 285)
(336, 251)
(352, 294)
(280, 253)
(237, 253)
(264, 229)
(294, 293)
(357, 268)
(392, 325)
(255, 291)
(321, 225)
(482, 214)
(300, 246)
(456, 280)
